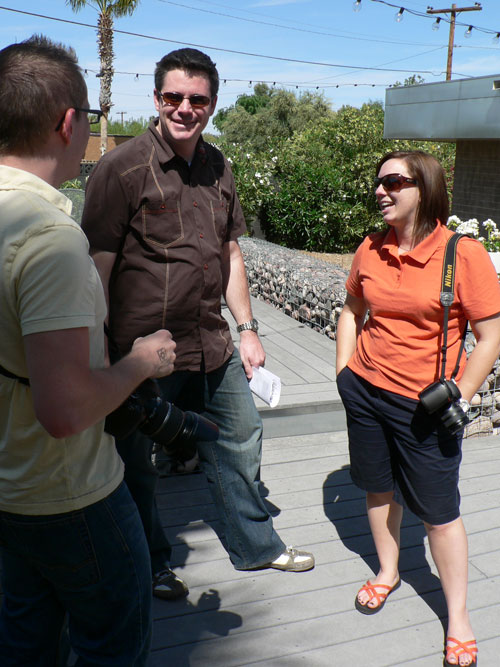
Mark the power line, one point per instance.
(285, 27)
(453, 11)
(216, 48)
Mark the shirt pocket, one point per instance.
(162, 222)
(219, 210)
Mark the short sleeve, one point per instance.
(55, 281)
(236, 222)
(106, 213)
(476, 281)
(353, 283)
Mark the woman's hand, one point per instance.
(349, 327)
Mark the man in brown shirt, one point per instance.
(163, 220)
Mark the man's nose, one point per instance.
(185, 105)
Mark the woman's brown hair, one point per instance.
(431, 182)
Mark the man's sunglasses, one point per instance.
(176, 99)
(93, 115)
(391, 182)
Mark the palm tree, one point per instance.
(108, 10)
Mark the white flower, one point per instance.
(257, 174)
(229, 160)
(490, 225)
(470, 227)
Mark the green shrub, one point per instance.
(313, 190)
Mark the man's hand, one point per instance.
(251, 352)
(158, 349)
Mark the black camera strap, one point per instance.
(447, 297)
(8, 374)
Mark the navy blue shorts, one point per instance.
(394, 445)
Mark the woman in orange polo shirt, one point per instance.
(400, 454)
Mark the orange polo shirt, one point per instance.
(399, 346)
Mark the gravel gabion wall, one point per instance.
(313, 292)
(307, 289)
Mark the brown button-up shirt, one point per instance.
(167, 222)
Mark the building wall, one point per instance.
(476, 188)
(93, 151)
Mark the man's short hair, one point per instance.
(191, 61)
(39, 80)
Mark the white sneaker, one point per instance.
(293, 560)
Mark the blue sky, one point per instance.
(336, 45)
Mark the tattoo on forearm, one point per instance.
(162, 353)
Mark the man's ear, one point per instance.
(156, 100)
(66, 129)
(213, 104)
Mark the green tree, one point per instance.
(413, 80)
(270, 115)
(131, 127)
(314, 191)
(108, 11)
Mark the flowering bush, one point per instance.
(475, 229)
(312, 188)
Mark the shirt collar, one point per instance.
(12, 178)
(424, 250)
(164, 150)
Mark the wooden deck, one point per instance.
(308, 619)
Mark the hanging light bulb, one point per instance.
(356, 7)
(468, 32)
(399, 16)
(435, 25)
(496, 38)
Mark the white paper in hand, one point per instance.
(266, 385)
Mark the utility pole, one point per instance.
(121, 113)
(453, 10)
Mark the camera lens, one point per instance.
(454, 418)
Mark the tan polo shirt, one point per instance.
(47, 283)
(167, 221)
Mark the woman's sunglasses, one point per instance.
(392, 182)
(176, 99)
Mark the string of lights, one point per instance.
(252, 82)
(436, 20)
(233, 51)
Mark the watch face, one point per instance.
(253, 325)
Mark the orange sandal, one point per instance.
(470, 648)
(374, 594)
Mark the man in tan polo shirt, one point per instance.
(71, 539)
(163, 220)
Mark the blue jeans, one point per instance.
(231, 465)
(90, 564)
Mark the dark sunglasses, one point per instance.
(391, 182)
(176, 99)
(93, 115)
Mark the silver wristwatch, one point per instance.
(252, 325)
(464, 404)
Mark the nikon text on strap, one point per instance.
(447, 297)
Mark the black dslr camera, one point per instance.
(443, 397)
(176, 431)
